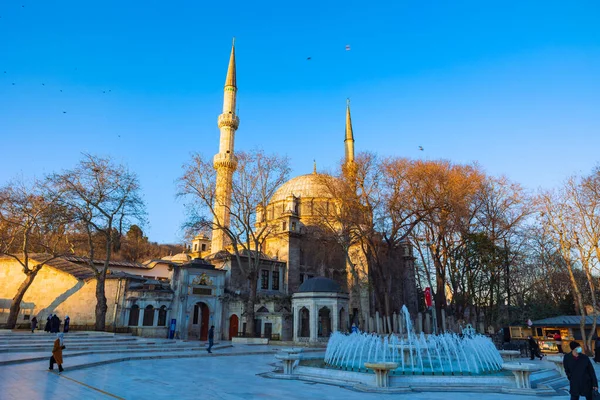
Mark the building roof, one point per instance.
(113, 263)
(305, 186)
(320, 284)
(78, 268)
(565, 320)
(198, 263)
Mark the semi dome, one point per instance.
(310, 185)
(320, 284)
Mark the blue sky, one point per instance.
(512, 85)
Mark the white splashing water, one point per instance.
(447, 353)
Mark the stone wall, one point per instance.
(55, 292)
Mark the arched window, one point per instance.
(162, 316)
(324, 322)
(134, 315)
(304, 328)
(148, 316)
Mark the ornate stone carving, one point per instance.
(202, 280)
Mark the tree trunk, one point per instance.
(253, 280)
(440, 299)
(15, 306)
(101, 306)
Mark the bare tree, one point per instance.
(255, 180)
(105, 199)
(33, 229)
(571, 216)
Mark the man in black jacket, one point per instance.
(211, 338)
(581, 374)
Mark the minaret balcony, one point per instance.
(228, 119)
(226, 160)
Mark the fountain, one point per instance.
(413, 362)
(445, 354)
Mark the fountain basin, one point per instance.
(509, 354)
(315, 370)
(288, 360)
(558, 363)
(522, 372)
(382, 372)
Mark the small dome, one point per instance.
(309, 185)
(180, 258)
(320, 284)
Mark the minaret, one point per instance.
(349, 166)
(349, 140)
(225, 161)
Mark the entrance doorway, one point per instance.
(198, 329)
(234, 325)
(268, 330)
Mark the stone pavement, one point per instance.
(229, 373)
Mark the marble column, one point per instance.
(314, 323)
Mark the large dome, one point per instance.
(320, 284)
(307, 186)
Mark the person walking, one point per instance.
(211, 338)
(57, 356)
(33, 324)
(47, 327)
(580, 372)
(67, 322)
(534, 348)
(54, 324)
(597, 350)
(558, 341)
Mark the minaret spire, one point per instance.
(230, 80)
(225, 162)
(349, 140)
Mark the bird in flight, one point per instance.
(421, 148)
(307, 58)
(347, 47)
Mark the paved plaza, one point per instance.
(123, 368)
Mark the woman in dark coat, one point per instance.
(580, 372)
(47, 327)
(67, 321)
(534, 348)
(33, 324)
(54, 324)
(597, 350)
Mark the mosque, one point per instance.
(304, 289)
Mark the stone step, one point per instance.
(32, 341)
(85, 346)
(16, 358)
(13, 337)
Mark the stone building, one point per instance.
(141, 298)
(292, 254)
